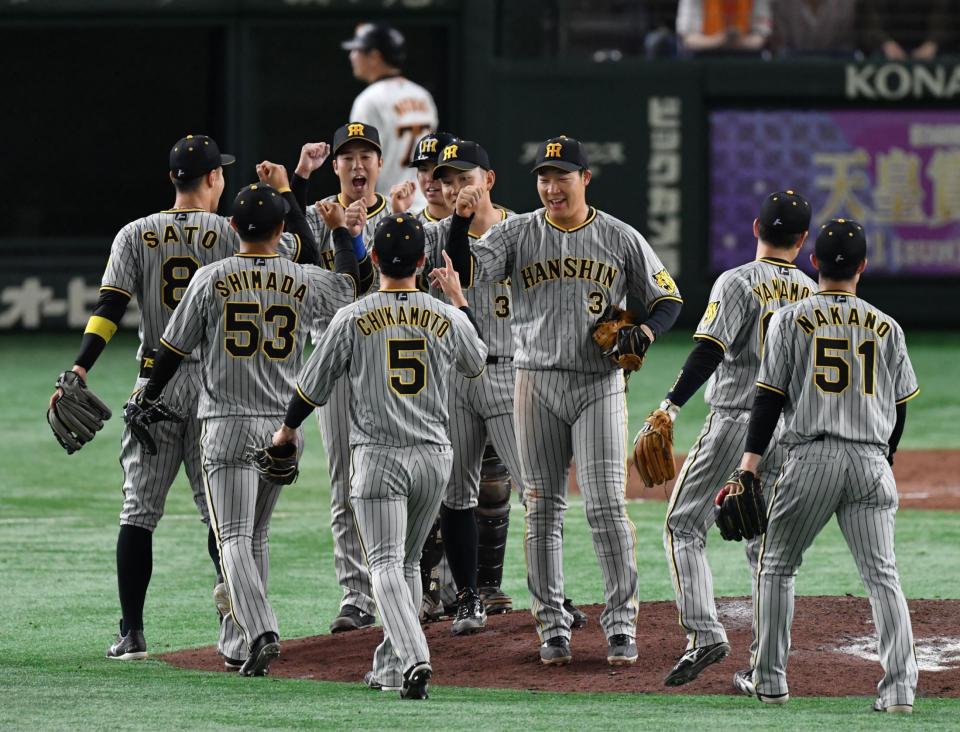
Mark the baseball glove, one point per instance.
(139, 413)
(619, 339)
(740, 509)
(276, 463)
(653, 449)
(77, 413)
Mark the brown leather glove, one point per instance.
(653, 449)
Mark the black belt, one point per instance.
(818, 438)
(499, 359)
(146, 362)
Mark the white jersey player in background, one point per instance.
(400, 109)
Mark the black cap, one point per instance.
(388, 41)
(356, 132)
(841, 244)
(398, 239)
(258, 208)
(196, 155)
(785, 211)
(462, 155)
(561, 152)
(430, 146)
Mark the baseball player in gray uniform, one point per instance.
(729, 338)
(838, 369)
(566, 263)
(396, 347)
(357, 162)
(248, 316)
(155, 258)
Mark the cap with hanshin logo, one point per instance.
(356, 132)
(430, 146)
(841, 242)
(196, 155)
(462, 155)
(398, 239)
(561, 152)
(785, 211)
(258, 208)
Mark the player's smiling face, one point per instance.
(432, 189)
(357, 165)
(563, 193)
(454, 181)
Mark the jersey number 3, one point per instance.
(242, 336)
(413, 371)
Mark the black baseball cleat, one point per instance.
(416, 682)
(556, 652)
(231, 664)
(579, 617)
(495, 600)
(129, 647)
(471, 616)
(265, 649)
(694, 661)
(743, 682)
(351, 618)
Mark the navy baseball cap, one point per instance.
(372, 36)
(196, 155)
(258, 208)
(561, 152)
(398, 239)
(785, 211)
(462, 155)
(430, 146)
(841, 244)
(356, 132)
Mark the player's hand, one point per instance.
(79, 371)
(467, 201)
(312, 156)
(356, 214)
(332, 214)
(401, 196)
(284, 435)
(273, 175)
(448, 279)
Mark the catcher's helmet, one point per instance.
(388, 41)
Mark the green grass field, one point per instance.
(58, 521)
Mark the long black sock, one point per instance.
(134, 567)
(214, 552)
(459, 531)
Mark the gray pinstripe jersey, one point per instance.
(425, 216)
(324, 238)
(843, 366)
(397, 346)
(155, 257)
(741, 304)
(248, 316)
(562, 279)
(489, 301)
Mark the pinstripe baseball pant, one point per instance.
(854, 482)
(396, 496)
(561, 415)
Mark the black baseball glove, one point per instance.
(276, 463)
(77, 413)
(139, 413)
(740, 509)
(620, 340)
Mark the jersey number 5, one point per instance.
(242, 336)
(413, 376)
(832, 373)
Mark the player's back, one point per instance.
(404, 345)
(257, 310)
(155, 258)
(742, 302)
(843, 366)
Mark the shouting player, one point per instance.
(729, 340)
(397, 347)
(566, 262)
(248, 315)
(838, 369)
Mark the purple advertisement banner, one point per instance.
(897, 173)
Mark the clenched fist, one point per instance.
(401, 196)
(332, 214)
(356, 216)
(468, 200)
(273, 175)
(312, 156)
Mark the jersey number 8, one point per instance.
(242, 336)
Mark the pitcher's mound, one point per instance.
(834, 652)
